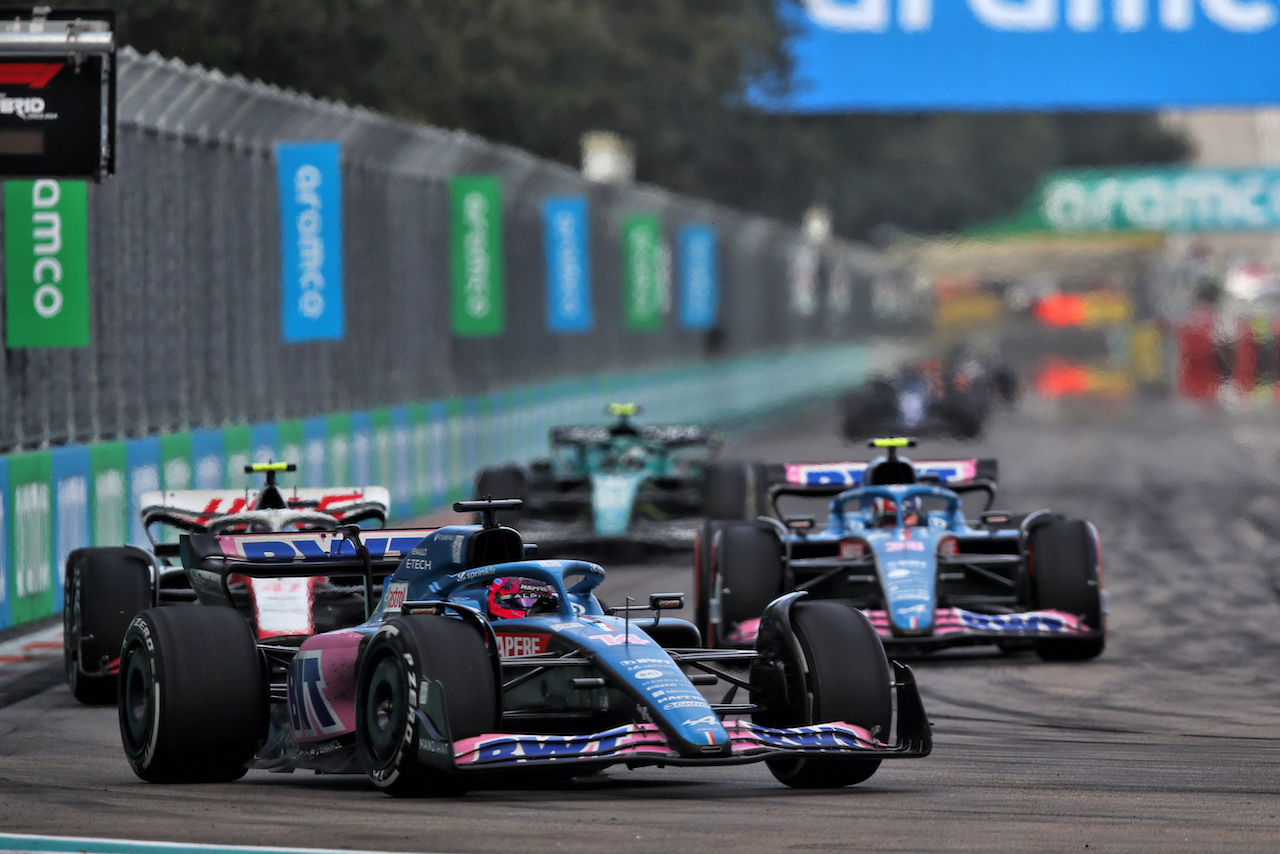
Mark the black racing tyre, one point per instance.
(734, 489)
(746, 572)
(869, 411)
(964, 414)
(400, 656)
(847, 676)
(104, 588)
(1065, 577)
(193, 695)
(703, 575)
(504, 481)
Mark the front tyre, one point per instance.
(404, 654)
(1066, 576)
(846, 677)
(193, 696)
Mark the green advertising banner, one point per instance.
(1151, 199)
(291, 444)
(642, 279)
(238, 441)
(109, 493)
(175, 461)
(31, 579)
(476, 250)
(46, 263)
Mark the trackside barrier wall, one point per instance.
(426, 453)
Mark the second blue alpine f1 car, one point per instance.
(479, 659)
(896, 544)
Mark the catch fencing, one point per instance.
(185, 272)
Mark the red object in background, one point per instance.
(1197, 357)
(1245, 371)
(1059, 378)
(1061, 310)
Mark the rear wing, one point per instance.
(210, 560)
(848, 475)
(671, 435)
(193, 509)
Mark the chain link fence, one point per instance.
(185, 274)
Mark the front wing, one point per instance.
(956, 626)
(646, 744)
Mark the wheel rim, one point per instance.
(139, 698)
(385, 709)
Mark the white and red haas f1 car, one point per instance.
(106, 585)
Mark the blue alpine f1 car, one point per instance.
(479, 659)
(896, 544)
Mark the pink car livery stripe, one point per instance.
(951, 621)
(648, 741)
(322, 686)
(850, 473)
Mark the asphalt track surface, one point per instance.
(1168, 742)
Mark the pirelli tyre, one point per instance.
(1066, 576)
(869, 410)
(735, 489)
(846, 678)
(400, 657)
(746, 575)
(193, 695)
(104, 588)
(703, 576)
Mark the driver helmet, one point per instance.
(633, 458)
(886, 512)
(514, 597)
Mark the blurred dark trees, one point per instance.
(671, 75)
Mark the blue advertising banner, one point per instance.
(143, 459)
(568, 264)
(699, 276)
(906, 55)
(72, 525)
(362, 450)
(209, 452)
(310, 186)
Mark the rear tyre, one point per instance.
(735, 490)
(746, 575)
(505, 481)
(1065, 577)
(193, 696)
(105, 588)
(869, 411)
(847, 677)
(401, 656)
(703, 576)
